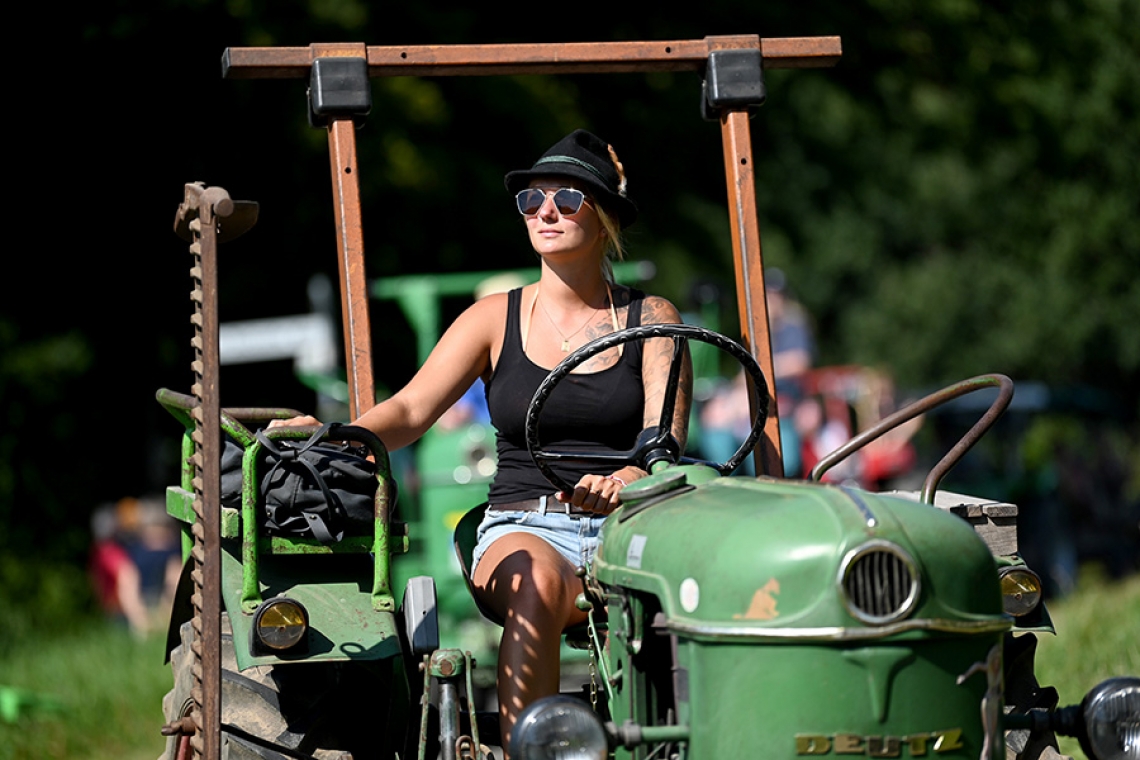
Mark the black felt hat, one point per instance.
(585, 157)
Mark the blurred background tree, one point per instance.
(958, 196)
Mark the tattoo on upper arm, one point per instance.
(656, 311)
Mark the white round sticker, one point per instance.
(690, 594)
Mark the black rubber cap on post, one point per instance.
(734, 79)
(339, 87)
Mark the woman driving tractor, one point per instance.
(574, 203)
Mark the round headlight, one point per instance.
(1020, 590)
(558, 728)
(280, 623)
(1111, 714)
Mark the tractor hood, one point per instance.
(742, 557)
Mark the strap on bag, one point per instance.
(316, 516)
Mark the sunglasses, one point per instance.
(567, 200)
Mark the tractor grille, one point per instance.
(880, 583)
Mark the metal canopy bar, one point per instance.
(560, 58)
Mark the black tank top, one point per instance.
(593, 412)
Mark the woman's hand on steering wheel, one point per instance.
(601, 494)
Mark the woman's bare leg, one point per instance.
(533, 588)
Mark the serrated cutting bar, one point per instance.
(206, 216)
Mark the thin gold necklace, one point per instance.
(566, 338)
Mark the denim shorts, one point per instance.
(575, 538)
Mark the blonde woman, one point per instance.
(574, 204)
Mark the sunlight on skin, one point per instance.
(533, 588)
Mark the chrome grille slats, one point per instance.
(879, 582)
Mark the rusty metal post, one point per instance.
(734, 84)
(350, 246)
(749, 267)
(350, 252)
(748, 262)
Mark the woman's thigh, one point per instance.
(520, 567)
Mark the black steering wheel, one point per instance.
(655, 443)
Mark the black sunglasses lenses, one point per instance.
(530, 201)
(566, 200)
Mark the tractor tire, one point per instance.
(1045, 753)
(1023, 693)
(323, 711)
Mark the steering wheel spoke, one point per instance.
(577, 456)
(669, 401)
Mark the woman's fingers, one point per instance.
(594, 493)
(304, 419)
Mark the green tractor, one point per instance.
(766, 617)
(728, 616)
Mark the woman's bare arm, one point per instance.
(460, 356)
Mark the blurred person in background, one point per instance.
(134, 563)
(725, 416)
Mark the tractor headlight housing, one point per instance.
(1020, 590)
(280, 625)
(1111, 717)
(560, 727)
(879, 582)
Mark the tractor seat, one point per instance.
(464, 540)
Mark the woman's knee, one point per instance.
(526, 570)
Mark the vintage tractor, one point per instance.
(729, 616)
(765, 617)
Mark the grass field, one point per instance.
(1098, 636)
(105, 693)
(102, 689)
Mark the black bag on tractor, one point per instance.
(310, 489)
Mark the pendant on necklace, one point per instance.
(565, 346)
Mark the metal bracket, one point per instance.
(734, 79)
(339, 87)
(421, 615)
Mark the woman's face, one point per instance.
(553, 234)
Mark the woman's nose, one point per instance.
(548, 209)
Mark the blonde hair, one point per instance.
(615, 246)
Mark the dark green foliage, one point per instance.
(42, 599)
(959, 195)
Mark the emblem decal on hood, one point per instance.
(911, 745)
